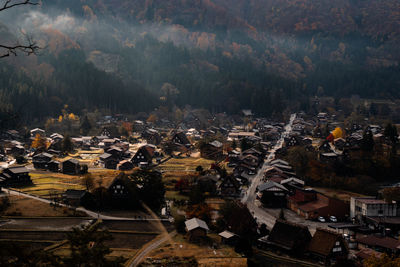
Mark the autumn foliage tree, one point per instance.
(201, 211)
(39, 143)
(383, 261)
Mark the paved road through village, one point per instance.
(269, 216)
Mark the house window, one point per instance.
(337, 249)
(337, 243)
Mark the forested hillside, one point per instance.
(223, 55)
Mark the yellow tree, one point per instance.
(39, 143)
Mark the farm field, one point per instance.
(49, 184)
(186, 165)
(205, 255)
(27, 207)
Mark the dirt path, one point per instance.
(150, 247)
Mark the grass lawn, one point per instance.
(204, 254)
(28, 207)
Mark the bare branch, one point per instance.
(31, 48)
(11, 3)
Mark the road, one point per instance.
(250, 197)
(155, 244)
(269, 216)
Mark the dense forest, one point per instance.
(117, 56)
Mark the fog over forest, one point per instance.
(217, 56)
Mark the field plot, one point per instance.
(48, 184)
(205, 255)
(185, 164)
(27, 207)
(176, 168)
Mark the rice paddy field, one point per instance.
(185, 165)
(49, 184)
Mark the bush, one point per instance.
(179, 223)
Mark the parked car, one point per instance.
(333, 219)
(321, 219)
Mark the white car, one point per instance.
(332, 219)
(321, 219)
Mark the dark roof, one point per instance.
(384, 242)
(18, 170)
(105, 156)
(285, 234)
(182, 136)
(73, 193)
(44, 154)
(74, 161)
(323, 241)
(233, 180)
(269, 186)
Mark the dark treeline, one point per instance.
(75, 83)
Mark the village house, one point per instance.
(109, 161)
(180, 140)
(228, 238)
(196, 229)
(272, 195)
(328, 246)
(71, 166)
(53, 166)
(144, 156)
(152, 136)
(386, 244)
(292, 183)
(287, 236)
(115, 151)
(119, 189)
(329, 158)
(125, 165)
(233, 156)
(311, 204)
(16, 149)
(243, 167)
(41, 160)
(15, 176)
(212, 150)
(375, 212)
(37, 131)
(74, 197)
(229, 187)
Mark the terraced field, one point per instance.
(185, 164)
(48, 184)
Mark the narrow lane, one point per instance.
(250, 196)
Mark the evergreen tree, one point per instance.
(88, 247)
(367, 143)
(67, 145)
(85, 125)
(391, 133)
